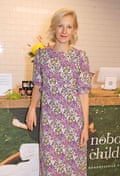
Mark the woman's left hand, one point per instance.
(84, 137)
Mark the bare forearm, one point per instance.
(84, 99)
(31, 114)
(36, 95)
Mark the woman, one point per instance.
(61, 82)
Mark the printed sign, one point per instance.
(5, 83)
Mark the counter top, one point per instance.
(103, 97)
(98, 97)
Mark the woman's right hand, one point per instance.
(31, 115)
(31, 118)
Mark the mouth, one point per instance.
(64, 36)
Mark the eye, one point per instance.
(70, 27)
(60, 25)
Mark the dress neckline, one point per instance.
(61, 52)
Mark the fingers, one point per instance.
(35, 122)
(31, 119)
(83, 142)
(83, 139)
(28, 123)
(31, 123)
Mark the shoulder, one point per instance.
(80, 53)
(82, 56)
(42, 51)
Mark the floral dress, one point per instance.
(62, 77)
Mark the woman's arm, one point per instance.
(31, 115)
(84, 100)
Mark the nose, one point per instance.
(64, 30)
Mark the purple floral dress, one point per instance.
(62, 77)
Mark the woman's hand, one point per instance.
(31, 115)
(84, 137)
(31, 118)
(84, 100)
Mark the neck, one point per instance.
(61, 48)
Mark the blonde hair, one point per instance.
(56, 19)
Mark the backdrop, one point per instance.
(19, 147)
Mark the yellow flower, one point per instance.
(36, 47)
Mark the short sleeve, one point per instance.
(83, 80)
(37, 71)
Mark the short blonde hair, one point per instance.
(55, 20)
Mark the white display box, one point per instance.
(110, 83)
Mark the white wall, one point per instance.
(21, 21)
